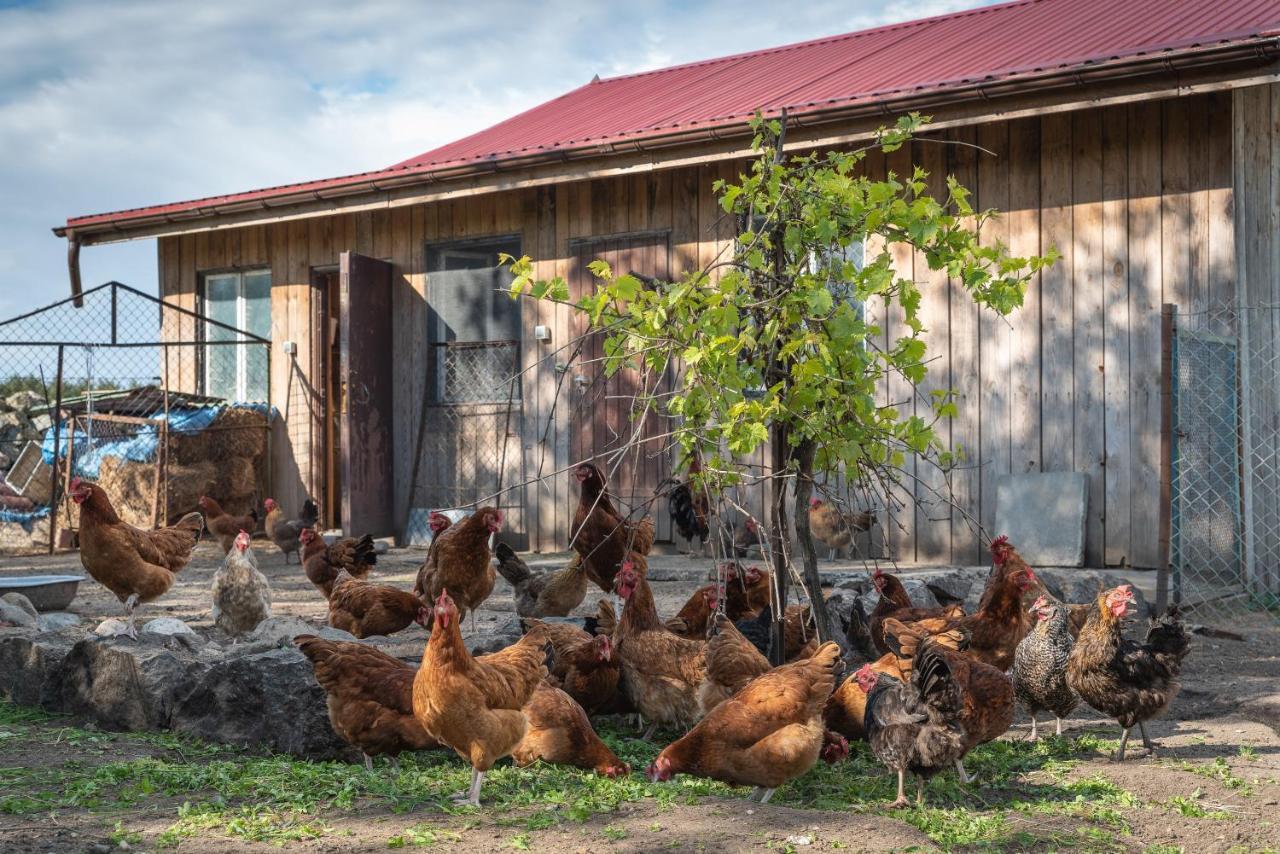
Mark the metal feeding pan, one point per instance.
(46, 592)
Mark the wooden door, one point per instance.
(365, 392)
(600, 415)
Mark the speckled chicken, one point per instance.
(1040, 666)
(241, 595)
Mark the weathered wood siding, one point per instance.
(1137, 198)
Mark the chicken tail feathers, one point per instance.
(191, 522)
(685, 516)
(365, 552)
(310, 513)
(932, 677)
(512, 568)
(316, 649)
(1168, 640)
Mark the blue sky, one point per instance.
(114, 105)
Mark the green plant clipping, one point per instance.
(782, 330)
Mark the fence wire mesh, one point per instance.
(142, 396)
(1225, 532)
(470, 447)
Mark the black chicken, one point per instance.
(690, 506)
(914, 726)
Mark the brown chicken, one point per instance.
(583, 665)
(732, 662)
(606, 619)
(552, 593)
(460, 562)
(894, 602)
(758, 582)
(370, 697)
(987, 690)
(559, 733)
(137, 566)
(600, 534)
(223, 526)
(287, 533)
(747, 537)
(834, 529)
(691, 622)
(768, 733)
(367, 610)
(323, 562)
(661, 672)
(1129, 681)
(473, 705)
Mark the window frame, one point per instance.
(240, 325)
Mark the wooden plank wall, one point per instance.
(1138, 199)
(1256, 176)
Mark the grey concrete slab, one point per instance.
(1043, 515)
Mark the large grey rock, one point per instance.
(26, 665)
(280, 631)
(266, 698)
(1043, 515)
(956, 584)
(15, 615)
(168, 627)
(122, 684)
(501, 637)
(332, 634)
(1082, 586)
(57, 621)
(22, 602)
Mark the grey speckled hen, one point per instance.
(1040, 665)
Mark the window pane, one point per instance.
(257, 297)
(221, 297)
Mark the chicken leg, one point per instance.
(1118, 756)
(902, 791)
(129, 605)
(471, 797)
(1034, 735)
(919, 791)
(1058, 728)
(761, 795)
(368, 763)
(1146, 740)
(964, 776)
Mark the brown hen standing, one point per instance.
(460, 561)
(473, 705)
(600, 534)
(323, 562)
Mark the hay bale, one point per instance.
(131, 487)
(189, 448)
(187, 483)
(238, 432)
(238, 478)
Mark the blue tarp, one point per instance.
(141, 447)
(23, 518)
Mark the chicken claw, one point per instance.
(964, 776)
(761, 795)
(471, 797)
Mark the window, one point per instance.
(242, 301)
(473, 325)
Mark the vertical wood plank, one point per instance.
(1145, 129)
(995, 335)
(1057, 395)
(1087, 312)
(1024, 240)
(900, 393)
(965, 346)
(933, 512)
(1117, 429)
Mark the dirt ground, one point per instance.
(1214, 784)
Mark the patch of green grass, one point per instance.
(520, 842)
(1190, 807)
(128, 837)
(1163, 849)
(1249, 753)
(1218, 770)
(613, 834)
(277, 798)
(423, 835)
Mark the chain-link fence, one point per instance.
(1225, 513)
(469, 440)
(156, 402)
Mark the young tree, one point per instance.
(775, 342)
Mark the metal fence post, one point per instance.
(1243, 359)
(54, 491)
(1167, 331)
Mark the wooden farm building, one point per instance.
(1141, 138)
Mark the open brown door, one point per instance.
(365, 341)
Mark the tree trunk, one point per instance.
(803, 457)
(778, 542)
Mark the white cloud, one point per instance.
(105, 107)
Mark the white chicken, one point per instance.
(241, 595)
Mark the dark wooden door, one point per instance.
(365, 342)
(601, 411)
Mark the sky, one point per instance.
(105, 106)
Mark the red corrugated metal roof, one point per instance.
(1003, 42)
